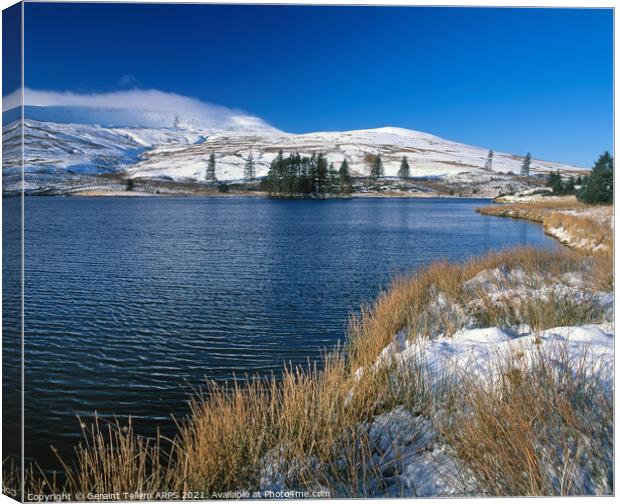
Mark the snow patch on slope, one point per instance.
(475, 352)
(179, 151)
(428, 155)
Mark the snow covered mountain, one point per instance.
(52, 151)
(428, 155)
(61, 154)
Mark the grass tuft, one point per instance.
(541, 429)
(309, 429)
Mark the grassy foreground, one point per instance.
(312, 427)
(575, 224)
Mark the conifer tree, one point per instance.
(488, 165)
(313, 187)
(525, 166)
(272, 177)
(295, 171)
(294, 176)
(288, 176)
(249, 172)
(376, 170)
(322, 174)
(558, 185)
(279, 173)
(210, 175)
(305, 182)
(599, 186)
(553, 178)
(569, 186)
(403, 172)
(345, 178)
(333, 179)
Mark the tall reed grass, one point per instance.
(307, 429)
(583, 227)
(545, 428)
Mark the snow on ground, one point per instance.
(590, 230)
(428, 155)
(179, 153)
(475, 352)
(567, 238)
(412, 458)
(88, 148)
(423, 465)
(601, 215)
(409, 457)
(529, 195)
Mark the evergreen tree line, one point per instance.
(295, 176)
(560, 186)
(598, 187)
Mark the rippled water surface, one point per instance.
(132, 301)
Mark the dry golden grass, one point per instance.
(597, 233)
(404, 305)
(302, 417)
(535, 430)
(11, 477)
(304, 423)
(312, 419)
(552, 203)
(589, 227)
(113, 458)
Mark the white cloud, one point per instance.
(11, 100)
(141, 105)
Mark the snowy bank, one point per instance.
(415, 460)
(576, 225)
(408, 446)
(476, 352)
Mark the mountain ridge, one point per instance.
(57, 152)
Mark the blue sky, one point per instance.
(515, 80)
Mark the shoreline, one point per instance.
(245, 194)
(586, 228)
(377, 390)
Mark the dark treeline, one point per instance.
(559, 186)
(296, 176)
(598, 187)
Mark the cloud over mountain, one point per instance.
(135, 107)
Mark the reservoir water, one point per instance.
(132, 302)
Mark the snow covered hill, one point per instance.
(82, 148)
(56, 153)
(53, 151)
(428, 155)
